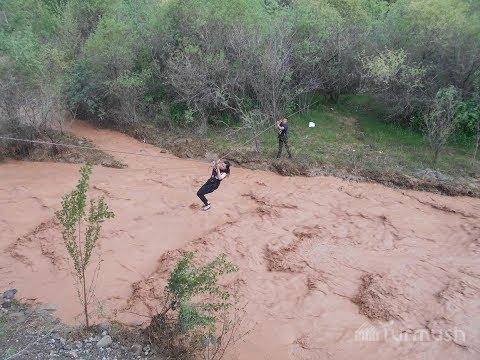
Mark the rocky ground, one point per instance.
(28, 332)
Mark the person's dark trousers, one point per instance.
(283, 140)
(210, 186)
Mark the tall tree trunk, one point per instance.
(203, 128)
(257, 147)
(82, 275)
(436, 152)
(304, 103)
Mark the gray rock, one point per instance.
(105, 341)
(105, 326)
(137, 349)
(9, 294)
(146, 350)
(104, 333)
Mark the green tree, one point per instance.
(395, 82)
(77, 220)
(442, 119)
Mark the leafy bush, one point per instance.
(194, 320)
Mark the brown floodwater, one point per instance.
(328, 269)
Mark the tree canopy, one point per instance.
(125, 61)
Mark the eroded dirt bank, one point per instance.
(324, 263)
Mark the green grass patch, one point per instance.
(353, 134)
(405, 147)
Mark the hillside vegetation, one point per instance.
(390, 82)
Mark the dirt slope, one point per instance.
(325, 264)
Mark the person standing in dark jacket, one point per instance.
(282, 126)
